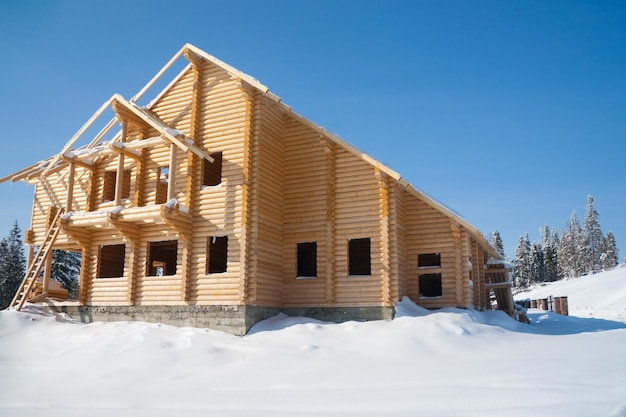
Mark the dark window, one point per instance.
(162, 258)
(161, 190)
(218, 254)
(212, 171)
(430, 285)
(359, 258)
(111, 261)
(108, 192)
(126, 184)
(307, 259)
(429, 260)
(110, 180)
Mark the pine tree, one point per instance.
(593, 239)
(609, 257)
(66, 270)
(550, 243)
(570, 249)
(521, 263)
(537, 268)
(496, 242)
(12, 265)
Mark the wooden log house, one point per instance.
(216, 205)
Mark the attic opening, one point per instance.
(212, 171)
(359, 257)
(430, 285)
(111, 261)
(307, 259)
(217, 260)
(162, 258)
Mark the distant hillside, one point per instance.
(598, 295)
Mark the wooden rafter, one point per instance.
(120, 148)
(176, 137)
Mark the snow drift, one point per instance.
(448, 362)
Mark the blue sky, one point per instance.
(509, 112)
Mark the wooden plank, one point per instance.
(158, 75)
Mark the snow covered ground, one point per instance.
(447, 362)
(599, 295)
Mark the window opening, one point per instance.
(126, 184)
(163, 257)
(110, 180)
(212, 171)
(218, 254)
(111, 261)
(307, 259)
(162, 181)
(359, 258)
(429, 260)
(430, 285)
(108, 191)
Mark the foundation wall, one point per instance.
(236, 319)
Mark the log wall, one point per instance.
(308, 209)
(267, 156)
(331, 197)
(430, 231)
(221, 125)
(357, 214)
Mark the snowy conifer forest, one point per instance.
(577, 250)
(65, 267)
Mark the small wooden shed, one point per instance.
(216, 205)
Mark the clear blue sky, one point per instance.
(509, 112)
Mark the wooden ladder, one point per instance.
(32, 273)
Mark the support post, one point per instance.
(70, 187)
(47, 272)
(171, 181)
(29, 255)
(119, 179)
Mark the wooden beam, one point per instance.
(158, 75)
(47, 272)
(119, 179)
(102, 132)
(171, 181)
(130, 149)
(74, 159)
(70, 188)
(174, 136)
(504, 284)
(490, 271)
(192, 57)
(145, 143)
(121, 148)
(16, 176)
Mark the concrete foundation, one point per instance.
(236, 319)
(341, 314)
